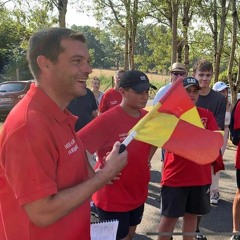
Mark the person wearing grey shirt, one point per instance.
(215, 102)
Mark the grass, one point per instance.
(106, 75)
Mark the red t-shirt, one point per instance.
(40, 155)
(237, 126)
(110, 99)
(180, 172)
(131, 190)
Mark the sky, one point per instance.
(79, 19)
(72, 16)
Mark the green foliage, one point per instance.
(160, 45)
(11, 36)
(107, 50)
(223, 76)
(101, 48)
(158, 84)
(20, 67)
(16, 26)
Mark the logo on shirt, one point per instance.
(113, 102)
(122, 136)
(71, 146)
(204, 121)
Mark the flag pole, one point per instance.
(126, 141)
(141, 122)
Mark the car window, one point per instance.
(12, 87)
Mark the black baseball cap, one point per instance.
(191, 81)
(136, 80)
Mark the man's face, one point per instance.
(204, 78)
(117, 79)
(193, 93)
(133, 99)
(95, 84)
(70, 73)
(176, 74)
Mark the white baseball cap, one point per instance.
(219, 86)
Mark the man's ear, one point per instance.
(43, 63)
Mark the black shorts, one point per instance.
(176, 201)
(126, 219)
(238, 178)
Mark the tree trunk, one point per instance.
(126, 53)
(232, 53)
(133, 29)
(215, 33)
(185, 21)
(221, 39)
(127, 34)
(174, 5)
(62, 10)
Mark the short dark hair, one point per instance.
(47, 42)
(203, 65)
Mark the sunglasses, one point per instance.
(178, 73)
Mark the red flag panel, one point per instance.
(197, 148)
(176, 100)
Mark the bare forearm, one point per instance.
(152, 152)
(48, 210)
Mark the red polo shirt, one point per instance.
(40, 155)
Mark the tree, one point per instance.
(49, 5)
(12, 36)
(126, 14)
(169, 13)
(154, 52)
(186, 19)
(234, 83)
(61, 6)
(213, 11)
(174, 16)
(16, 26)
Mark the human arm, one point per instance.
(151, 153)
(90, 158)
(157, 96)
(94, 113)
(103, 104)
(212, 125)
(220, 113)
(161, 92)
(227, 117)
(94, 105)
(48, 210)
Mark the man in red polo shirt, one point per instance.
(45, 178)
(112, 97)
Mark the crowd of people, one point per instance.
(47, 178)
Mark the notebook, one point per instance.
(104, 230)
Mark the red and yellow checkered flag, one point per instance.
(175, 125)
